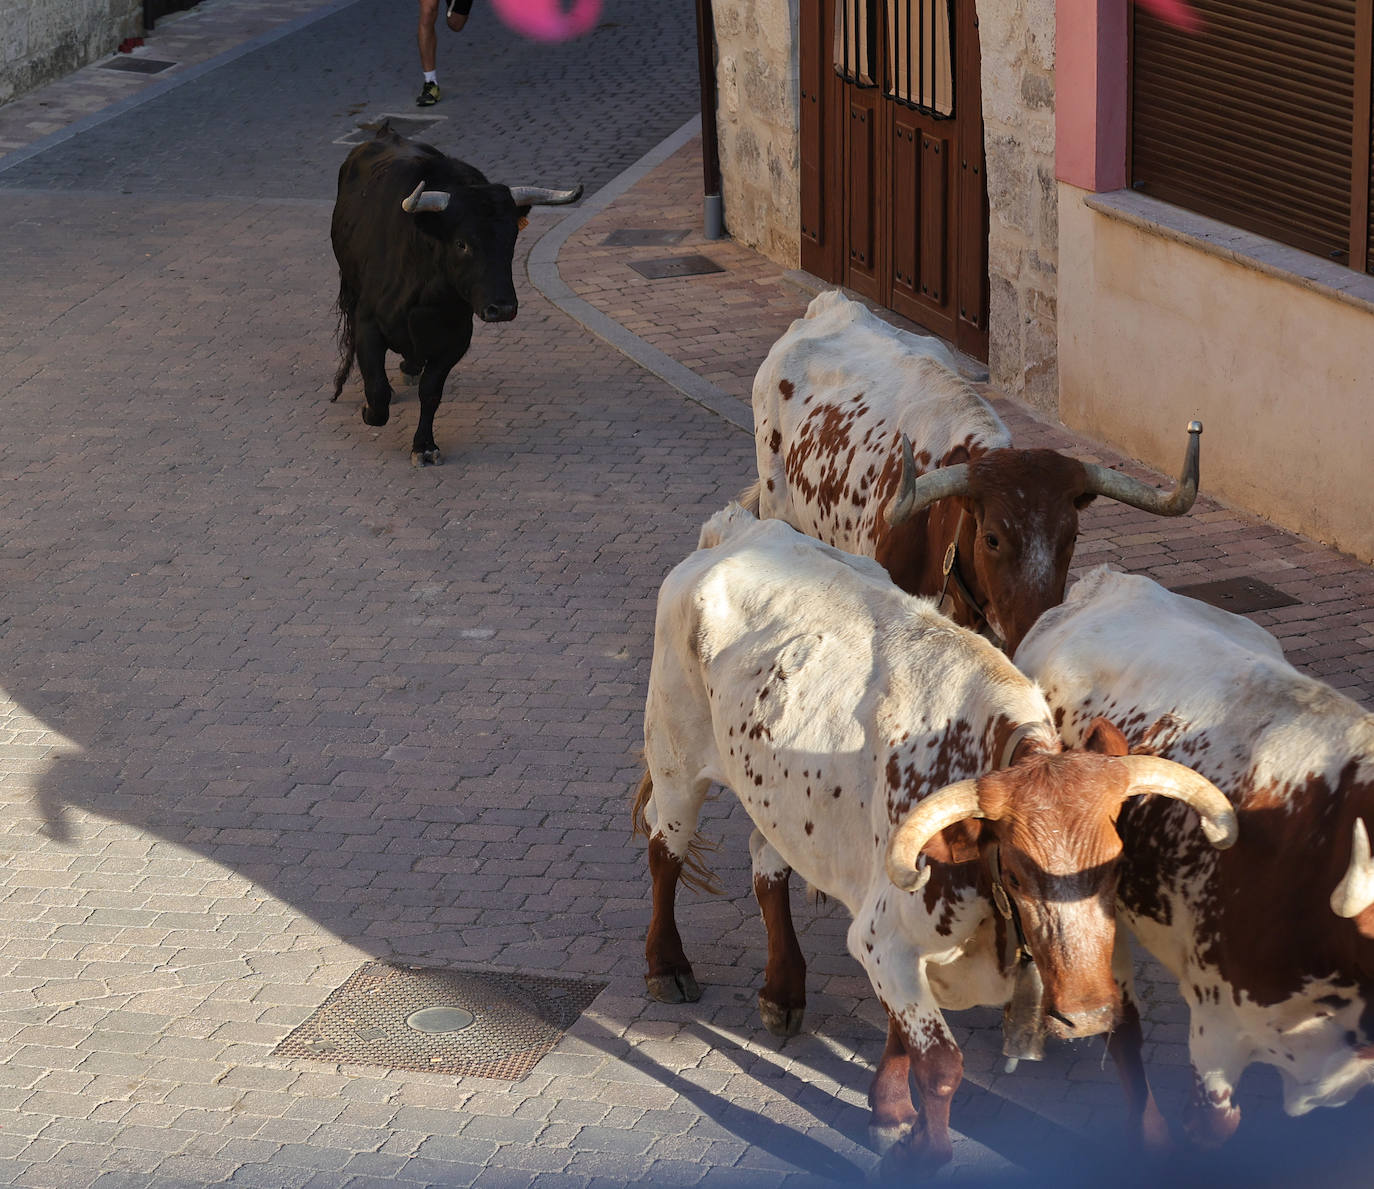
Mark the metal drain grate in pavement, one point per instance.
(410, 126)
(1238, 594)
(473, 1023)
(675, 266)
(132, 65)
(638, 237)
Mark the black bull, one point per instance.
(423, 242)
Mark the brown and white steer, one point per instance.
(832, 403)
(1273, 941)
(862, 730)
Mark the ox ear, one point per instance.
(1082, 501)
(522, 218)
(1106, 739)
(955, 844)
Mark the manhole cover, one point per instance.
(638, 237)
(474, 1023)
(409, 126)
(675, 266)
(1238, 595)
(136, 65)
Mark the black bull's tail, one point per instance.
(347, 334)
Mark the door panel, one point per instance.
(894, 195)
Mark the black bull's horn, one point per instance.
(539, 196)
(914, 494)
(421, 199)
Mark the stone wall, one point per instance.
(45, 39)
(1017, 41)
(758, 124)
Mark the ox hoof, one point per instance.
(913, 1155)
(1210, 1127)
(673, 988)
(375, 417)
(883, 1138)
(426, 458)
(781, 1021)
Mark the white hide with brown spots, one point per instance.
(796, 675)
(830, 401)
(1270, 972)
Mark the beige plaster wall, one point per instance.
(1154, 332)
(758, 124)
(41, 40)
(1017, 42)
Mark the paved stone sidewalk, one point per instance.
(275, 704)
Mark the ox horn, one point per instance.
(540, 196)
(951, 804)
(1355, 892)
(1150, 774)
(1116, 486)
(425, 200)
(913, 494)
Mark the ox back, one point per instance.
(830, 403)
(1270, 972)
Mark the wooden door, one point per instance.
(894, 194)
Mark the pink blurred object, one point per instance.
(1176, 12)
(548, 20)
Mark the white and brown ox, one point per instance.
(1273, 941)
(862, 730)
(833, 403)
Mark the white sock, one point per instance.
(431, 76)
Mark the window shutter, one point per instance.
(1251, 121)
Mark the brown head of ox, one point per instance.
(1044, 830)
(1001, 541)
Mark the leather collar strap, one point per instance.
(1024, 731)
(950, 569)
(1007, 906)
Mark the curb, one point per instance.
(542, 268)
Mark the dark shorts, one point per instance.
(459, 7)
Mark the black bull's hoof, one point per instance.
(426, 458)
(374, 417)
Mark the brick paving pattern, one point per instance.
(274, 704)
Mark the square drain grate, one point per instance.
(473, 1023)
(675, 266)
(409, 126)
(1238, 594)
(639, 237)
(132, 65)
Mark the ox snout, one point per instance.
(498, 311)
(1091, 1021)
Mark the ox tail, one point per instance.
(750, 497)
(348, 337)
(695, 874)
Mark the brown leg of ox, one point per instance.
(669, 978)
(889, 1097)
(936, 1071)
(782, 1002)
(1145, 1125)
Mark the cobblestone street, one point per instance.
(274, 704)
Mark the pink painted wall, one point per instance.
(1090, 93)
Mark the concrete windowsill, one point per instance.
(1243, 248)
